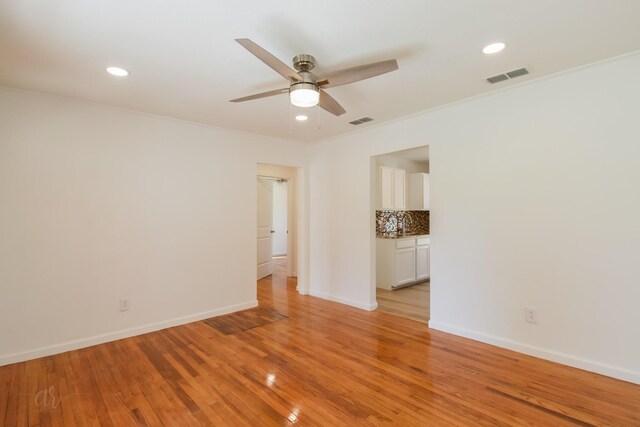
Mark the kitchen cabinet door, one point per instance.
(405, 266)
(386, 187)
(419, 197)
(422, 263)
(399, 189)
(392, 188)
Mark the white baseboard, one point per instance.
(554, 356)
(125, 333)
(368, 307)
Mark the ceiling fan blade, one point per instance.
(280, 67)
(261, 95)
(331, 105)
(355, 74)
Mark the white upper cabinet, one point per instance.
(386, 188)
(399, 189)
(419, 191)
(392, 188)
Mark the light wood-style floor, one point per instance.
(307, 361)
(411, 302)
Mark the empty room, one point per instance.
(248, 213)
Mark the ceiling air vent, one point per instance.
(508, 75)
(497, 79)
(362, 120)
(517, 73)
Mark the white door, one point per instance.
(280, 206)
(265, 227)
(422, 262)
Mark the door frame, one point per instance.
(297, 218)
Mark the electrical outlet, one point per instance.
(125, 304)
(531, 315)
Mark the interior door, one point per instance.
(265, 227)
(280, 218)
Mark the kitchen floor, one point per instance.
(411, 302)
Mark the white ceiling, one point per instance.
(184, 62)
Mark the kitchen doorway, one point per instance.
(401, 208)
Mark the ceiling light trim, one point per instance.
(494, 48)
(117, 71)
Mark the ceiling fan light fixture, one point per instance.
(304, 86)
(304, 94)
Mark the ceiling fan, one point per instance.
(307, 89)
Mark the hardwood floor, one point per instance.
(311, 362)
(411, 302)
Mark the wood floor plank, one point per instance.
(306, 361)
(411, 302)
(5, 381)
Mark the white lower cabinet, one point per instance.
(422, 262)
(405, 266)
(401, 261)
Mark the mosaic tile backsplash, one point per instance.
(392, 222)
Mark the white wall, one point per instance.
(98, 204)
(535, 201)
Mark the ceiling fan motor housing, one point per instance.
(304, 62)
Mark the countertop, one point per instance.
(401, 236)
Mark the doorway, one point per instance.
(278, 217)
(400, 188)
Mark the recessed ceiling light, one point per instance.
(493, 48)
(117, 71)
(301, 117)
